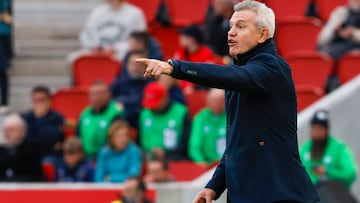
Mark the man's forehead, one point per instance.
(242, 16)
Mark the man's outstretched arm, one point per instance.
(255, 77)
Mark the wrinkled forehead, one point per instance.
(244, 16)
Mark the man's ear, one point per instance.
(264, 35)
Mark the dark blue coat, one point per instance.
(46, 131)
(261, 162)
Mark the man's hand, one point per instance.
(320, 170)
(205, 196)
(347, 32)
(155, 67)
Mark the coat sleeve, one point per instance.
(328, 33)
(218, 181)
(255, 77)
(89, 37)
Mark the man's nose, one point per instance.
(231, 32)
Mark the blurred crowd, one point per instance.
(135, 126)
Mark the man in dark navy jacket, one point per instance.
(261, 162)
(45, 126)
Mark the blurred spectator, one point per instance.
(127, 89)
(157, 171)
(121, 159)
(109, 27)
(342, 32)
(134, 191)
(325, 157)
(20, 161)
(172, 85)
(45, 126)
(74, 167)
(208, 135)
(217, 26)
(96, 119)
(164, 125)
(142, 40)
(5, 52)
(192, 49)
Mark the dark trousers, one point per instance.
(3, 88)
(5, 58)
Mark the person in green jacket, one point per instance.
(324, 156)
(208, 134)
(96, 119)
(164, 125)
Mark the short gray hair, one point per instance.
(265, 17)
(15, 118)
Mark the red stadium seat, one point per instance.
(310, 68)
(89, 68)
(349, 67)
(49, 171)
(186, 170)
(186, 12)
(168, 38)
(196, 101)
(297, 34)
(326, 7)
(283, 9)
(307, 95)
(70, 103)
(149, 7)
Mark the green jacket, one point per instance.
(208, 137)
(93, 127)
(163, 130)
(338, 160)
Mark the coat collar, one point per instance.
(267, 47)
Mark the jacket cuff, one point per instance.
(176, 68)
(213, 187)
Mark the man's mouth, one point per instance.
(231, 42)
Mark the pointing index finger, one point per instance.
(143, 60)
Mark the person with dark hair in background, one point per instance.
(45, 126)
(142, 40)
(5, 52)
(326, 157)
(134, 191)
(74, 167)
(127, 89)
(96, 119)
(157, 171)
(193, 49)
(121, 158)
(20, 161)
(342, 31)
(217, 26)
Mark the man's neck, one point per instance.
(116, 5)
(193, 49)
